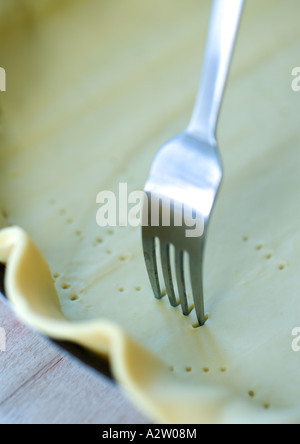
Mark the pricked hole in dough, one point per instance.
(266, 406)
(245, 239)
(206, 369)
(69, 220)
(251, 394)
(99, 240)
(66, 286)
(281, 267)
(108, 251)
(56, 275)
(110, 231)
(269, 256)
(123, 258)
(78, 233)
(62, 211)
(259, 247)
(121, 290)
(197, 325)
(223, 369)
(74, 298)
(138, 288)
(191, 308)
(188, 369)
(171, 368)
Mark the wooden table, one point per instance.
(41, 386)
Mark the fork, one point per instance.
(186, 175)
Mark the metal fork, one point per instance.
(186, 175)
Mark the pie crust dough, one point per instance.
(89, 112)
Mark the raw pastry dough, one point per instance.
(80, 121)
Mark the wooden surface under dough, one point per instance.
(38, 385)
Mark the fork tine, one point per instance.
(151, 263)
(197, 288)
(167, 272)
(179, 261)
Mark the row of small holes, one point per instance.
(205, 369)
(268, 256)
(280, 267)
(122, 289)
(74, 297)
(252, 395)
(100, 241)
(70, 221)
(68, 286)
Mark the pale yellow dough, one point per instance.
(93, 90)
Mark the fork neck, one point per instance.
(223, 28)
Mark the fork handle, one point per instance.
(223, 28)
